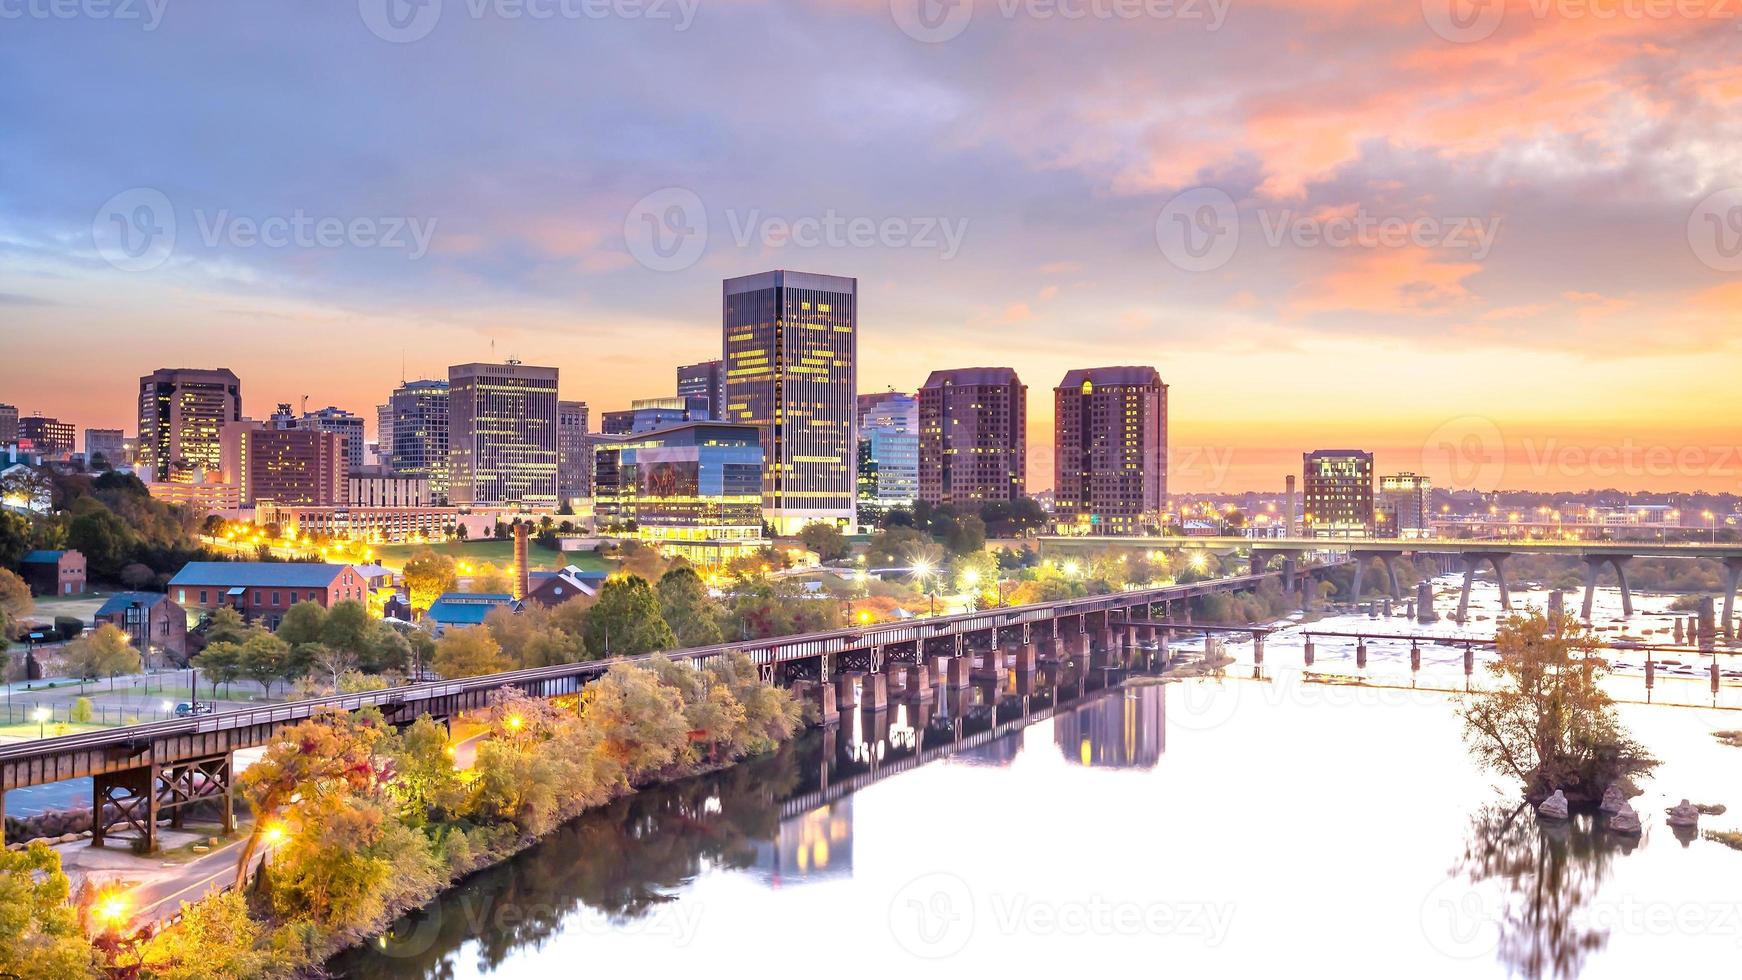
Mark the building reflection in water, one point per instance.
(1123, 730)
(810, 847)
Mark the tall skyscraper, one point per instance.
(1110, 450)
(1403, 509)
(8, 424)
(51, 437)
(419, 447)
(1337, 492)
(180, 413)
(790, 347)
(337, 420)
(973, 436)
(705, 380)
(888, 450)
(502, 434)
(574, 452)
(384, 435)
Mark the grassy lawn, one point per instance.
(29, 730)
(82, 606)
(499, 553)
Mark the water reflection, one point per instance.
(1121, 731)
(1535, 883)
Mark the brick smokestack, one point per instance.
(521, 574)
(1288, 528)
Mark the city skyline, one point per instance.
(1569, 298)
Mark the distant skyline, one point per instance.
(1514, 247)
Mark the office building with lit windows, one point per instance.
(574, 453)
(180, 413)
(790, 347)
(1337, 494)
(704, 380)
(1403, 507)
(295, 467)
(1110, 451)
(888, 451)
(502, 435)
(694, 489)
(50, 437)
(973, 441)
(414, 441)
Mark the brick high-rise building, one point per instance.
(790, 347)
(1337, 492)
(8, 424)
(52, 438)
(290, 467)
(502, 434)
(973, 436)
(1110, 450)
(180, 413)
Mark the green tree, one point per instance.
(469, 652)
(266, 659)
(427, 576)
(303, 623)
(347, 628)
(226, 625)
(687, 608)
(216, 939)
(425, 782)
(15, 538)
(40, 935)
(965, 535)
(221, 663)
(81, 711)
(626, 621)
(15, 602)
(104, 652)
(102, 537)
(824, 538)
(1548, 722)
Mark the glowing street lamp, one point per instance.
(41, 717)
(111, 910)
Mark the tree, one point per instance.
(106, 651)
(39, 930)
(425, 782)
(137, 576)
(687, 608)
(625, 621)
(894, 544)
(1548, 722)
(303, 623)
(469, 652)
(427, 576)
(265, 658)
(965, 535)
(15, 538)
(824, 538)
(16, 602)
(216, 938)
(489, 579)
(226, 625)
(640, 721)
(221, 663)
(347, 627)
(103, 538)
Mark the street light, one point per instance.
(41, 716)
(1712, 519)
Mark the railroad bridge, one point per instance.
(144, 774)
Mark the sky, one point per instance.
(1499, 243)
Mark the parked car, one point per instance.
(188, 709)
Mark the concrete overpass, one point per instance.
(1474, 553)
(142, 774)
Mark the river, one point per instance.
(1226, 825)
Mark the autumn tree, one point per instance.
(104, 652)
(427, 576)
(824, 538)
(640, 721)
(15, 602)
(39, 931)
(490, 579)
(469, 652)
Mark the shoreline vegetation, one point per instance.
(362, 823)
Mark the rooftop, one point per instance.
(1128, 375)
(294, 575)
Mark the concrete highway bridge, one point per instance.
(1262, 552)
(144, 774)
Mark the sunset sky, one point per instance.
(1562, 315)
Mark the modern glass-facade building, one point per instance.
(704, 380)
(180, 413)
(502, 435)
(415, 443)
(888, 450)
(1403, 508)
(1337, 493)
(790, 347)
(695, 488)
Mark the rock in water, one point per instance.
(1684, 814)
(1555, 807)
(1626, 821)
(1614, 800)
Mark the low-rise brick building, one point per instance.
(265, 591)
(54, 572)
(151, 617)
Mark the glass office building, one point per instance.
(790, 350)
(502, 435)
(415, 441)
(888, 451)
(695, 488)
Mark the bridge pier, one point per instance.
(1593, 565)
(1732, 578)
(1471, 562)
